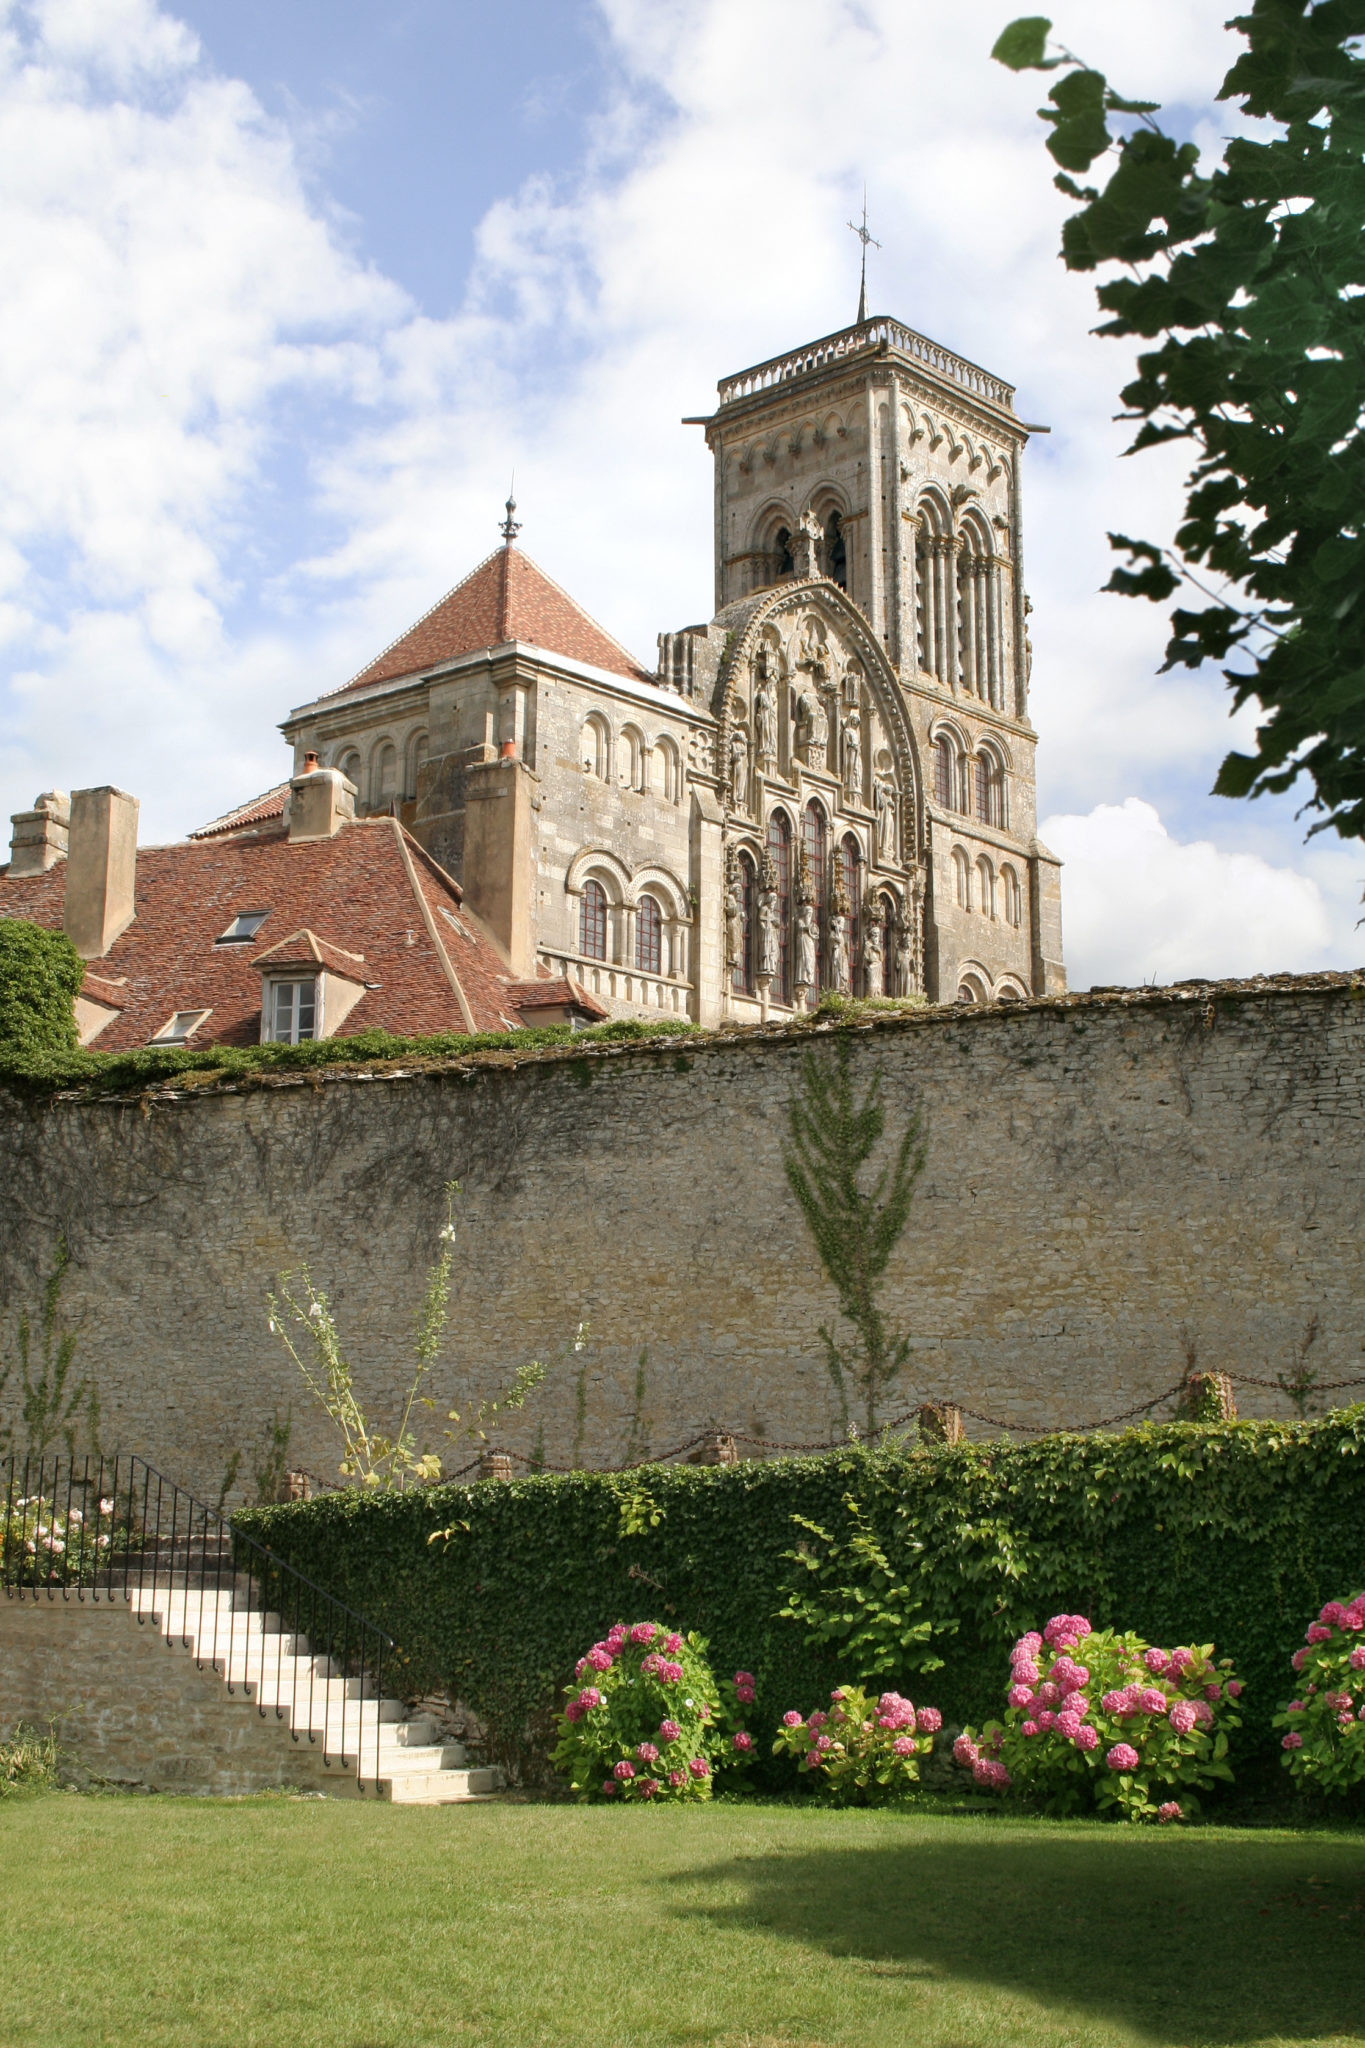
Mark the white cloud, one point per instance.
(1140, 906)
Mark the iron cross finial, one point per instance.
(860, 229)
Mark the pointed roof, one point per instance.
(508, 597)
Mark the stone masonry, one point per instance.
(1112, 1181)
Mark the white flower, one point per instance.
(106, 1507)
(315, 1312)
(448, 1233)
(74, 1515)
(273, 1331)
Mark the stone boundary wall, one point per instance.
(131, 1711)
(1115, 1183)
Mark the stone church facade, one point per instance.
(830, 784)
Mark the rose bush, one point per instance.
(867, 1751)
(1324, 1742)
(43, 1543)
(646, 1720)
(1097, 1718)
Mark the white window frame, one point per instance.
(270, 1035)
(168, 1034)
(234, 938)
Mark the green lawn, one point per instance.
(142, 1923)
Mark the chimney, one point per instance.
(38, 841)
(321, 801)
(101, 868)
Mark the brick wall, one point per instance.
(1110, 1179)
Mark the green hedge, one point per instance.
(35, 1066)
(40, 976)
(1232, 1533)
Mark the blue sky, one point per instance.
(294, 287)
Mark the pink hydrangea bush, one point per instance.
(644, 1719)
(867, 1751)
(1100, 1719)
(1324, 1738)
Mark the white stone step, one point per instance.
(440, 1788)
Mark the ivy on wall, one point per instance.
(1233, 1533)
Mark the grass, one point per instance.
(283, 1924)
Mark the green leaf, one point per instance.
(1023, 45)
(1236, 776)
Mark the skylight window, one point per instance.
(244, 926)
(180, 1028)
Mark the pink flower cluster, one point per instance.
(662, 1668)
(1064, 1631)
(589, 1698)
(894, 1712)
(1122, 1757)
(669, 1731)
(744, 1688)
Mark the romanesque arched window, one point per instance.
(988, 788)
(349, 764)
(666, 771)
(815, 846)
(962, 879)
(836, 551)
(784, 562)
(985, 875)
(746, 967)
(592, 922)
(417, 761)
(780, 848)
(851, 876)
(945, 772)
(595, 751)
(1013, 897)
(649, 936)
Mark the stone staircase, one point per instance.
(371, 1745)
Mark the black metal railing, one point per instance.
(106, 1529)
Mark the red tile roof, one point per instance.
(259, 811)
(506, 598)
(371, 891)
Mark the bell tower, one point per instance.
(882, 461)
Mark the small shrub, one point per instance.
(1324, 1746)
(28, 1760)
(44, 1544)
(867, 1752)
(40, 977)
(1159, 1724)
(647, 1721)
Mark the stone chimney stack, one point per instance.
(101, 869)
(39, 838)
(321, 801)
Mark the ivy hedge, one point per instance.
(1232, 1533)
(34, 1066)
(40, 976)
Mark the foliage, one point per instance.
(830, 1139)
(368, 1455)
(1324, 1746)
(866, 1752)
(40, 977)
(1098, 1718)
(29, 1761)
(51, 1404)
(1248, 281)
(150, 1065)
(644, 1719)
(853, 1596)
(43, 1543)
(1221, 1533)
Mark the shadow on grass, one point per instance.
(1213, 1939)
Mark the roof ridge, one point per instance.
(399, 638)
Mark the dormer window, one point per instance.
(179, 1029)
(292, 1014)
(244, 926)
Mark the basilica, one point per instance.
(828, 785)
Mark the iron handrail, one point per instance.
(107, 1529)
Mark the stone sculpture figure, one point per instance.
(884, 801)
(904, 981)
(769, 935)
(807, 945)
(839, 962)
(739, 767)
(852, 743)
(734, 921)
(765, 711)
(873, 961)
(812, 727)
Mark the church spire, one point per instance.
(860, 230)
